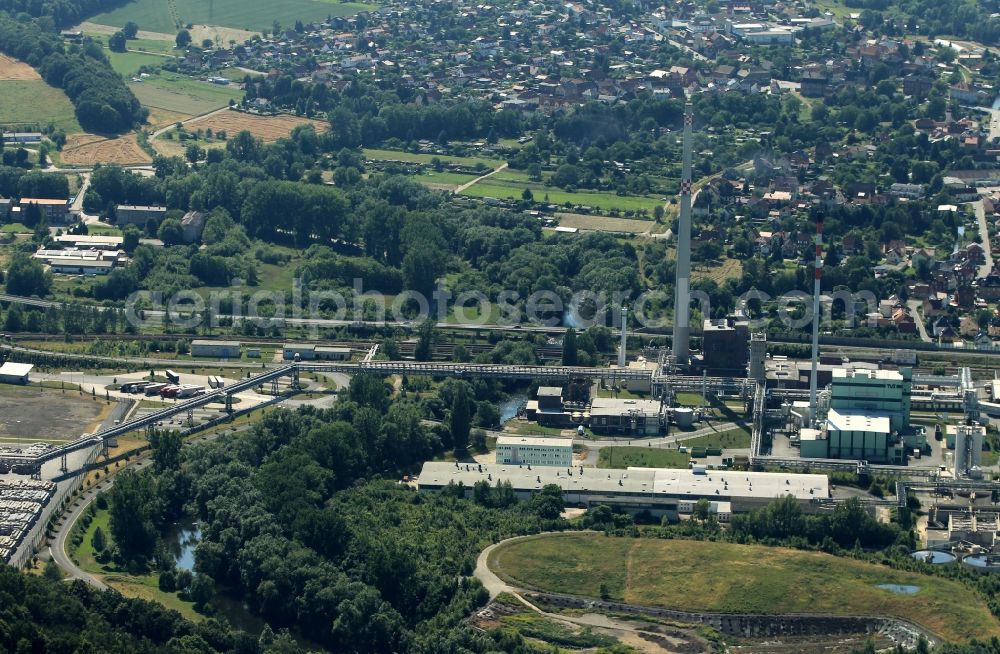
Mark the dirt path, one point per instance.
(192, 119)
(648, 640)
(479, 179)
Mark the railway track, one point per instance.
(439, 351)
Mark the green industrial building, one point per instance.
(868, 419)
(884, 391)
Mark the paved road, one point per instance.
(994, 123)
(77, 205)
(57, 550)
(984, 237)
(676, 437)
(915, 307)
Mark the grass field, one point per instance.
(103, 230)
(182, 94)
(735, 438)
(443, 180)
(415, 157)
(511, 184)
(129, 63)
(33, 102)
(254, 15)
(154, 45)
(141, 586)
(173, 147)
(728, 578)
(641, 457)
(718, 272)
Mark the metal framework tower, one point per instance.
(815, 317)
(682, 305)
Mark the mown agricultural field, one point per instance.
(426, 159)
(607, 223)
(268, 128)
(511, 184)
(253, 15)
(728, 578)
(89, 149)
(129, 63)
(183, 95)
(26, 100)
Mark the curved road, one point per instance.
(57, 548)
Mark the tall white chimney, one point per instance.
(622, 345)
(682, 304)
(815, 336)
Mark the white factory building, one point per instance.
(661, 491)
(15, 373)
(311, 351)
(518, 450)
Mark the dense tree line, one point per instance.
(102, 101)
(847, 526)
(962, 18)
(43, 614)
(62, 13)
(356, 567)
(19, 183)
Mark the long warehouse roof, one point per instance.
(654, 481)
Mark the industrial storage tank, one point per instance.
(933, 557)
(983, 562)
(684, 417)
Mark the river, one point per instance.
(181, 541)
(510, 407)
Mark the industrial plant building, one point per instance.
(88, 242)
(312, 352)
(76, 261)
(604, 415)
(216, 349)
(611, 416)
(524, 450)
(867, 418)
(659, 491)
(886, 391)
(725, 344)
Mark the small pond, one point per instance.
(900, 589)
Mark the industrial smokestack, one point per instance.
(815, 340)
(621, 347)
(682, 304)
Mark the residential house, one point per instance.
(813, 84)
(903, 321)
